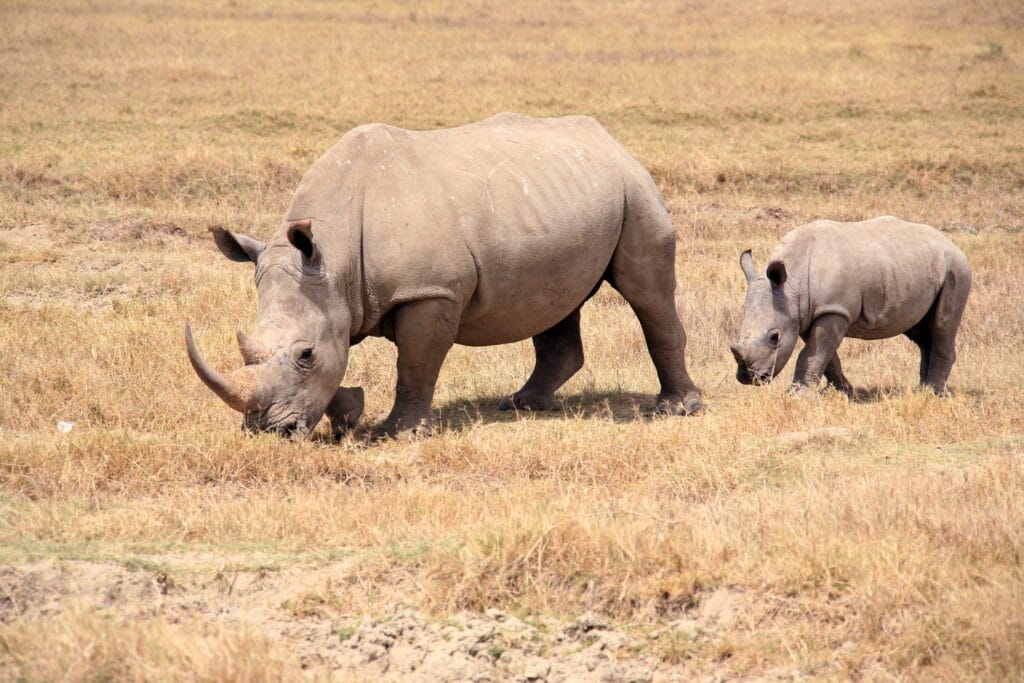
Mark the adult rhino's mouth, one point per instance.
(293, 428)
(296, 431)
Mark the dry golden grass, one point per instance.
(892, 549)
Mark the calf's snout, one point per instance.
(737, 353)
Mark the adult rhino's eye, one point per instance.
(306, 355)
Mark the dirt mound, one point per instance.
(491, 647)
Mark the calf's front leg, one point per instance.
(424, 331)
(821, 340)
(834, 375)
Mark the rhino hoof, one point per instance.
(526, 403)
(691, 405)
(803, 391)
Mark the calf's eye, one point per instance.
(774, 338)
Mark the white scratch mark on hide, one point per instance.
(486, 193)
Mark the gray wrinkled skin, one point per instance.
(870, 280)
(489, 233)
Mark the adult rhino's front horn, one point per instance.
(239, 389)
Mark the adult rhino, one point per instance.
(871, 280)
(488, 233)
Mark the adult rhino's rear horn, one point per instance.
(237, 389)
(253, 350)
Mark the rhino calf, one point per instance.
(874, 279)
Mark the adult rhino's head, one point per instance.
(296, 357)
(770, 326)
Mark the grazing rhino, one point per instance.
(489, 233)
(870, 280)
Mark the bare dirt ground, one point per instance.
(294, 606)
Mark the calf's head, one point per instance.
(296, 356)
(770, 326)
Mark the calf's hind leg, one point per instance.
(559, 353)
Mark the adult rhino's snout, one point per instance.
(239, 389)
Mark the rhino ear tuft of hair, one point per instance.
(777, 273)
(300, 236)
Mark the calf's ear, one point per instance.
(777, 273)
(236, 246)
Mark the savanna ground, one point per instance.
(771, 536)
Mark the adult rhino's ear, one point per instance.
(236, 246)
(777, 273)
(300, 236)
(747, 264)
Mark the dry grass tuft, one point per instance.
(82, 645)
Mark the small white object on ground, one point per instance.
(65, 426)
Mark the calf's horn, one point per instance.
(237, 389)
(747, 264)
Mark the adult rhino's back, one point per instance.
(531, 209)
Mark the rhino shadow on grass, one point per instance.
(878, 394)
(618, 407)
(462, 414)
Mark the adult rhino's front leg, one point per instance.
(821, 340)
(424, 332)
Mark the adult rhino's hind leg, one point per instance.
(559, 353)
(943, 322)
(643, 272)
